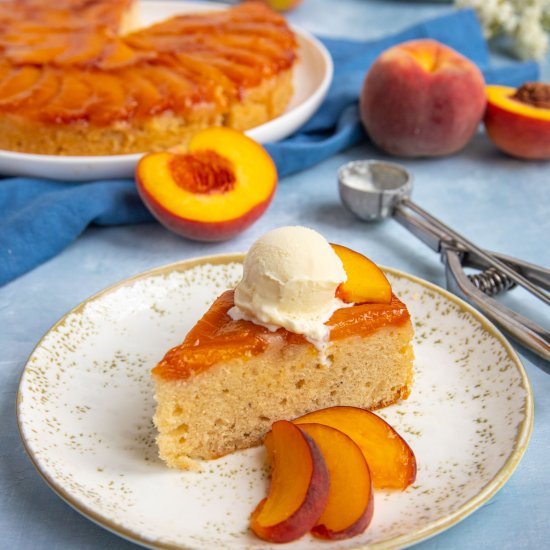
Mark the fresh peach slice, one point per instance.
(350, 503)
(299, 485)
(366, 283)
(220, 186)
(391, 461)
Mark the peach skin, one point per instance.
(299, 485)
(422, 99)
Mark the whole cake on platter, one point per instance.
(311, 325)
(75, 79)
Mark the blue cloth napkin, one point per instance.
(38, 218)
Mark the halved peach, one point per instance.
(391, 461)
(518, 121)
(366, 283)
(299, 485)
(350, 503)
(220, 186)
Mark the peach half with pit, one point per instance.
(218, 187)
(422, 99)
(366, 282)
(518, 120)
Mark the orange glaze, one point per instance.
(218, 338)
(73, 13)
(198, 62)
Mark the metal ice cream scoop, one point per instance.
(373, 190)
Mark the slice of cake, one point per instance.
(282, 344)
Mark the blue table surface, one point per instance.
(501, 203)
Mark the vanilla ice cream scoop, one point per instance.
(290, 279)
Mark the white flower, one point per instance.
(525, 21)
(530, 39)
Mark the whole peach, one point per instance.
(282, 5)
(421, 99)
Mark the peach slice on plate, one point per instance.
(217, 188)
(366, 283)
(299, 485)
(350, 503)
(391, 461)
(518, 121)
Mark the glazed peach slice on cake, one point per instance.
(518, 121)
(391, 461)
(299, 485)
(366, 283)
(350, 502)
(219, 186)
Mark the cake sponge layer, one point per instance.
(232, 405)
(29, 135)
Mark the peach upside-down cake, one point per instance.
(311, 325)
(78, 78)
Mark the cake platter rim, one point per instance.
(521, 440)
(76, 168)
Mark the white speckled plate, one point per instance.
(312, 78)
(85, 403)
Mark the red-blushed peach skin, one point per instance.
(421, 99)
(204, 231)
(518, 129)
(203, 347)
(221, 185)
(299, 486)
